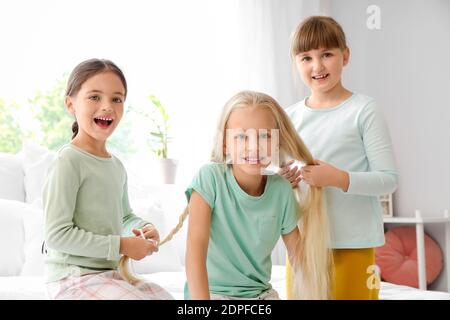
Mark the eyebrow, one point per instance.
(99, 91)
(242, 130)
(307, 53)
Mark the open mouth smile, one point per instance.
(253, 160)
(103, 122)
(321, 76)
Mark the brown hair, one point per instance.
(86, 70)
(317, 32)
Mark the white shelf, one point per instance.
(409, 220)
(420, 221)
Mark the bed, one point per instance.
(33, 288)
(21, 234)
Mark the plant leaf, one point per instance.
(157, 134)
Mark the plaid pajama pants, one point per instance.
(107, 285)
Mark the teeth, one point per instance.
(320, 77)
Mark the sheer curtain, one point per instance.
(224, 47)
(248, 46)
(252, 52)
(258, 45)
(193, 55)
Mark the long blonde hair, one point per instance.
(313, 259)
(124, 268)
(312, 262)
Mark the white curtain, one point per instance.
(259, 45)
(226, 46)
(252, 52)
(193, 55)
(249, 46)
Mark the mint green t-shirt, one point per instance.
(244, 229)
(86, 212)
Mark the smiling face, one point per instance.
(98, 105)
(249, 134)
(321, 69)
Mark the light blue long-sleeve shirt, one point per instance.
(354, 137)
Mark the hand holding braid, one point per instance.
(124, 269)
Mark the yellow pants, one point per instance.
(355, 275)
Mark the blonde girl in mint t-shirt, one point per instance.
(238, 211)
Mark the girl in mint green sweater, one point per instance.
(89, 224)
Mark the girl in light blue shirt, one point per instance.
(349, 139)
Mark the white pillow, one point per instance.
(170, 197)
(33, 224)
(174, 202)
(166, 259)
(36, 161)
(11, 237)
(11, 177)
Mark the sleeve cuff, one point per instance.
(289, 230)
(205, 196)
(114, 248)
(352, 183)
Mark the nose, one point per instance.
(107, 107)
(252, 143)
(317, 65)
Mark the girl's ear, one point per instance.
(69, 104)
(346, 53)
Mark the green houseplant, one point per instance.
(160, 133)
(160, 139)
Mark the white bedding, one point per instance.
(33, 288)
(21, 232)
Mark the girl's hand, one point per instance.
(323, 174)
(150, 232)
(292, 174)
(137, 248)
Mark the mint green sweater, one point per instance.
(86, 212)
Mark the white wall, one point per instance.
(405, 65)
